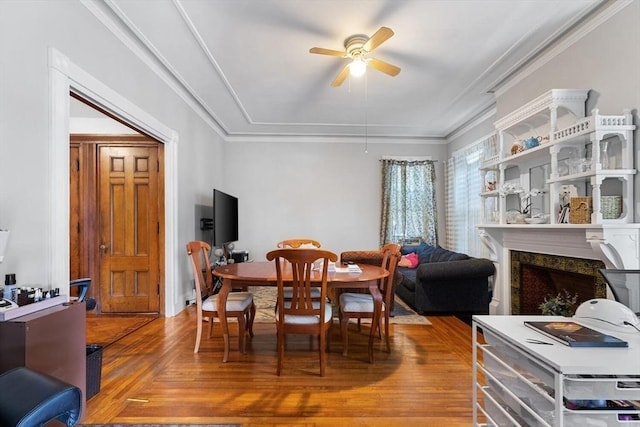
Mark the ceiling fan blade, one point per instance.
(385, 67)
(341, 77)
(378, 38)
(322, 51)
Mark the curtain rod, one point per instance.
(408, 159)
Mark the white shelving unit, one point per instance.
(594, 154)
(516, 383)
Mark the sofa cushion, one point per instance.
(442, 255)
(425, 253)
(408, 277)
(407, 249)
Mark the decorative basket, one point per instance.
(611, 207)
(580, 209)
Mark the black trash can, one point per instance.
(94, 369)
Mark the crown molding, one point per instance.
(485, 115)
(114, 20)
(337, 139)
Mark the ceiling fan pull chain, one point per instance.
(366, 102)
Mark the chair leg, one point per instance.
(252, 316)
(241, 332)
(280, 351)
(198, 332)
(386, 331)
(344, 321)
(322, 340)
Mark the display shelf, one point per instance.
(519, 383)
(492, 193)
(588, 156)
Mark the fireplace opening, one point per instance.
(534, 277)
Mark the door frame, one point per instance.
(65, 78)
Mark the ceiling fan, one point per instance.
(357, 48)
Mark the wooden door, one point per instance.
(129, 204)
(75, 203)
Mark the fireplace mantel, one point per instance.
(617, 245)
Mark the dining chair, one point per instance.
(360, 305)
(239, 304)
(302, 314)
(299, 243)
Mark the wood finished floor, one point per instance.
(152, 377)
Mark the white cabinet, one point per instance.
(587, 157)
(517, 383)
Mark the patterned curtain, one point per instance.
(408, 201)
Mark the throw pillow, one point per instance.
(413, 260)
(409, 260)
(404, 261)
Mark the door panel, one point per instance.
(129, 228)
(75, 201)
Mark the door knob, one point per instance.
(103, 248)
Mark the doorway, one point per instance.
(65, 78)
(116, 220)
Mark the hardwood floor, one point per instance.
(152, 376)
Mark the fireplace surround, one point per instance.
(579, 247)
(536, 276)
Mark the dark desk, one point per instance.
(51, 341)
(264, 274)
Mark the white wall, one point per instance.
(603, 55)
(327, 191)
(27, 30)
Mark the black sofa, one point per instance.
(445, 282)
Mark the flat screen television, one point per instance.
(225, 218)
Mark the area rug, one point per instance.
(105, 329)
(265, 299)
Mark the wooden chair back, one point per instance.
(297, 243)
(303, 313)
(390, 257)
(206, 303)
(198, 252)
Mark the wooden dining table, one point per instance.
(264, 274)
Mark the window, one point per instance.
(462, 199)
(408, 201)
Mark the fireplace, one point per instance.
(536, 276)
(576, 250)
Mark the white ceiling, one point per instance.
(247, 62)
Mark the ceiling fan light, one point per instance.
(357, 68)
